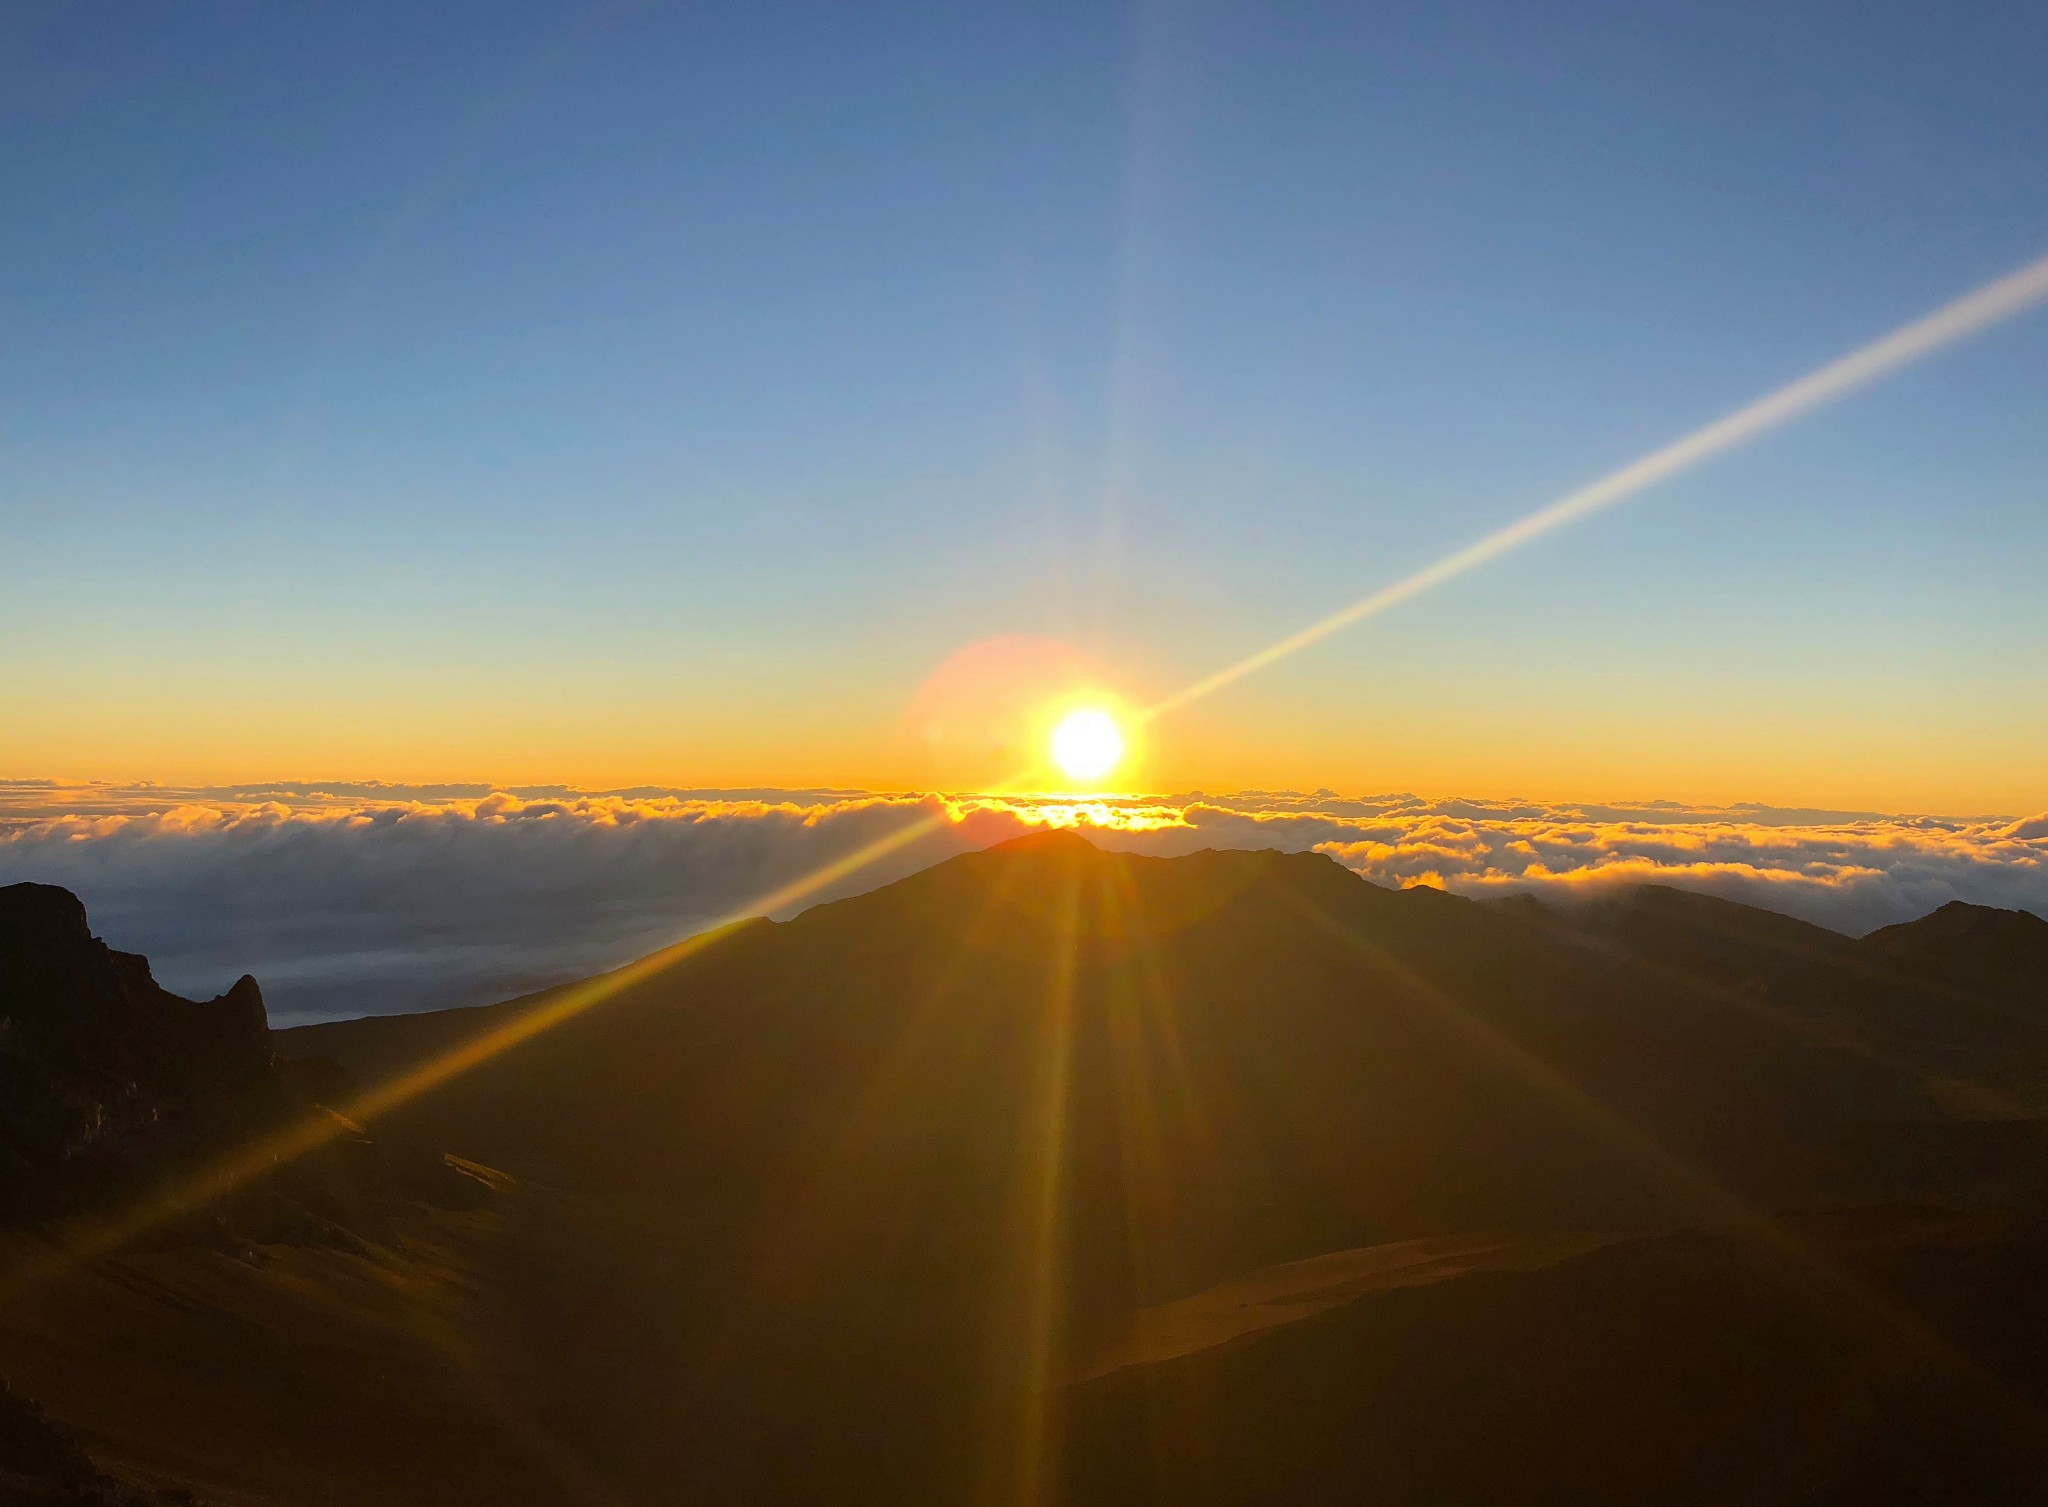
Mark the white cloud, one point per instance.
(351, 898)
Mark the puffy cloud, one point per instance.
(349, 898)
(392, 899)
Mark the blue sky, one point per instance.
(614, 393)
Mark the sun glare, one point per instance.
(1087, 744)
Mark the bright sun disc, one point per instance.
(1087, 744)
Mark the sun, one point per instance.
(1087, 744)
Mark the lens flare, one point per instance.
(1087, 744)
(1990, 305)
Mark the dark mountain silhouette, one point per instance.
(1972, 946)
(1000, 1180)
(111, 1086)
(113, 1093)
(105, 1077)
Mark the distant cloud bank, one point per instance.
(356, 898)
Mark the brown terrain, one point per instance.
(1062, 1176)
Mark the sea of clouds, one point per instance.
(349, 899)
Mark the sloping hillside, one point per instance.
(926, 1146)
(941, 1193)
(1876, 1357)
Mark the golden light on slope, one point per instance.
(1087, 745)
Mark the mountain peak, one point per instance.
(1047, 840)
(1961, 917)
(106, 1068)
(40, 917)
(1978, 945)
(1965, 908)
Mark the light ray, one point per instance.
(1686, 1188)
(578, 998)
(1987, 306)
(1952, 322)
(1139, 1121)
(213, 1181)
(840, 1193)
(1042, 1147)
(1944, 1089)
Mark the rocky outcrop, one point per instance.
(106, 1078)
(112, 1086)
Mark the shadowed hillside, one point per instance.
(1681, 1368)
(923, 1146)
(897, 1200)
(2002, 952)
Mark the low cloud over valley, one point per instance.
(351, 899)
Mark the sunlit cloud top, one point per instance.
(346, 899)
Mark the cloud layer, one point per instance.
(348, 899)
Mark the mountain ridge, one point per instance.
(830, 1207)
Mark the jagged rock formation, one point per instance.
(110, 1085)
(847, 1208)
(113, 1092)
(105, 1077)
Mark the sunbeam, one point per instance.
(675, 825)
(1700, 1198)
(1040, 1279)
(218, 1179)
(1987, 306)
(1974, 312)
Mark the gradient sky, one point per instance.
(620, 394)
